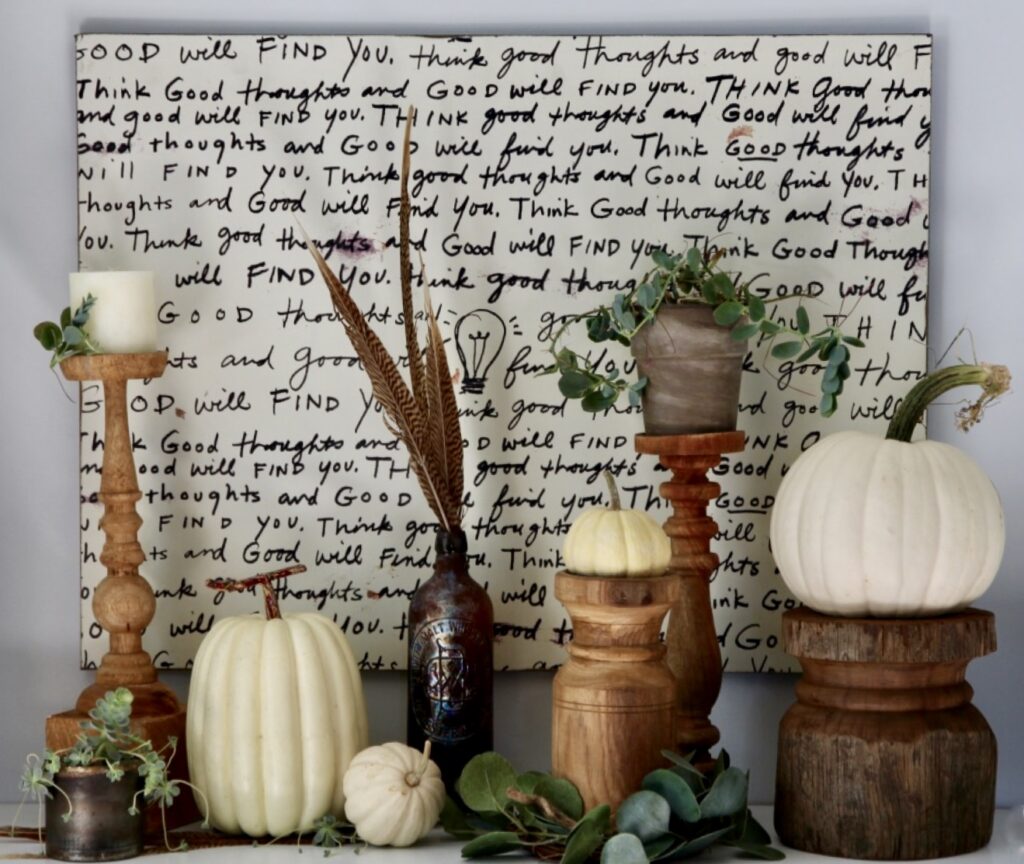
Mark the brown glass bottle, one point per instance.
(451, 662)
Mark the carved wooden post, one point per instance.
(123, 602)
(693, 652)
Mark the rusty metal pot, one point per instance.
(693, 369)
(100, 827)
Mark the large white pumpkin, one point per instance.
(869, 526)
(275, 716)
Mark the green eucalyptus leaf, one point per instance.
(709, 293)
(727, 796)
(492, 843)
(528, 780)
(484, 782)
(663, 259)
(454, 822)
(769, 327)
(827, 406)
(854, 341)
(634, 397)
(588, 835)
(806, 355)
(728, 313)
(785, 350)
(65, 317)
(676, 791)
(690, 848)
(574, 384)
(826, 349)
(47, 334)
(694, 260)
(831, 385)
(595, 401)
(758, 850)
(743, 332)
(646, 814)
(757, 308)
(803, 321)
(646, 295)
(656, 848)
(838, 354)
(562, 794)
(624, 849)
(754, 832)
(72, 336)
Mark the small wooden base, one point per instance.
(883, 756)
(693, 653)
(615, 699)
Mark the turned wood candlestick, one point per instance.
(614, 700)
(693, 653)
(123, 602)
(883, 756)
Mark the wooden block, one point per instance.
(883, 756)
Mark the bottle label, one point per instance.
(445, 662)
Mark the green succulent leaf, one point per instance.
(854, 341)
(803, 321)
(806, 355)
(728, 313)
(827, 406)
(756, 308)
(624, 849)
(785, 350)
(770, 328)
(72, 336)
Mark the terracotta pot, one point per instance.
(693, 371)
(100, 827)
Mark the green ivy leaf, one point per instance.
(727, 796)
(492, 843)
(562, 794)
(727, 313)
(484, 782)
(645, 814)
(676, 791)
(785, 350)
(624, 849)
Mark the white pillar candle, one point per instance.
(123, 318)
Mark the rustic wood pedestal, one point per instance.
(693, 653)
(124, 602)
(883, 756)
(615, 698)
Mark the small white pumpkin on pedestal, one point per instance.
(868, 526)
(275, 716)
(610, 541)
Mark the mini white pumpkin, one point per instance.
(275, 716)
(610, 541)
(883, 527)
(393, 794)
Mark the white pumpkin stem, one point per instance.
(413, 777)
(994, 382)
(613, 490)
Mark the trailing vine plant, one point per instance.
(694, 277)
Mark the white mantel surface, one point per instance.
(1007, 846)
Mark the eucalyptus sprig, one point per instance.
(107, 739)
(67, 338)
(691, 278)
(679, 812)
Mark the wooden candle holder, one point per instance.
(615, 698)
(123, 602)
(693, 653)
(883, 756)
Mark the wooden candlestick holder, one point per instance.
(123, 602)
(693, 653)
(883, 756)
(615, 697)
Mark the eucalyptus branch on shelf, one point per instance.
(692, 278)
(68, 338)
(679, 812)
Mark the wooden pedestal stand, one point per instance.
(693, 653)
(883, 756)
(124, 602)
(615, 697)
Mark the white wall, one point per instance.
(977, 267)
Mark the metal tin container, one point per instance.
(100, 828)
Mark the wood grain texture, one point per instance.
(614, 701)
(694, 655)
(883, 756)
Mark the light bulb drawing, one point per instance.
(479, 338)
